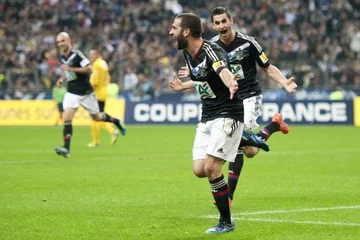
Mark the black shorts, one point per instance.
(101, 106)
(60, 107)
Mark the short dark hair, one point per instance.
(220, 10)
(191, 21)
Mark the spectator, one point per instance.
(297, 33)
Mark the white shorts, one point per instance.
(213, 138)
(89, 102)
(252, 110)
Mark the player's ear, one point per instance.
(186, 32)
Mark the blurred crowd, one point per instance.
(317, 41)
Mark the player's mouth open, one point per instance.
(223, 31)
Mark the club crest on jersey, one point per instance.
(199, 70)
(238, 54)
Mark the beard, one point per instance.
(181, 42)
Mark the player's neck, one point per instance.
(227, 40)
(194, 47)
(67, 53)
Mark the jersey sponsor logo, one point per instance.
(218, 64)
(263, 57)
(204, 90)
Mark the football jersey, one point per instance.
(77, 83)
(100, 78)
(215, 96)
(244, 52)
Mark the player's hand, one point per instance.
(184, 72)
(233, 88)
(65, 67)
(176, 84)
(290, 85)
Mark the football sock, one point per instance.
(106, 126)
(234, 173)
(220, 192)
(108, 118)
(67, 133)
(95, 131)
(244, 143)
(266, 132)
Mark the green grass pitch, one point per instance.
(307, 187)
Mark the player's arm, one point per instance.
(85, 65)
(270, 70)
(82, 70)
(221, 68)
(229, 80)
(60, 81)
(177, 85)
(275, 74)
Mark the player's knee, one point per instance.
(198, 168)
(199, 173)
(97, 117)
(250, 152)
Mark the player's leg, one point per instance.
(90, 103)
(223, 146)
(70, 104)
(201, 141)
(95, 134)
(234, 172)
(107, 126)
(95, 129)
(59, 118)
(252, 110)
(277, 124)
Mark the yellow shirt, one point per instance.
(100, 78)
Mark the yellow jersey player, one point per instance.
(99, 79)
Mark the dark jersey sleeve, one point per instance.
(258, 54)
(83, 60)
(218, 58)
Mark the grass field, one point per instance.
(307, 187)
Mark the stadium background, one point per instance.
(305, 187)
(317, 41)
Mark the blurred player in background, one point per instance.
(100, 79)
(58, 94)
(77, 70)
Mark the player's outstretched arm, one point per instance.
(275, 74)
(229, 80)
(83, 70)
(177, 85)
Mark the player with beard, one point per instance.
(77, 70)
(244, 53)
(219, 132)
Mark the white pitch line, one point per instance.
(291, 211)
(297, 221)
(297, 210)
